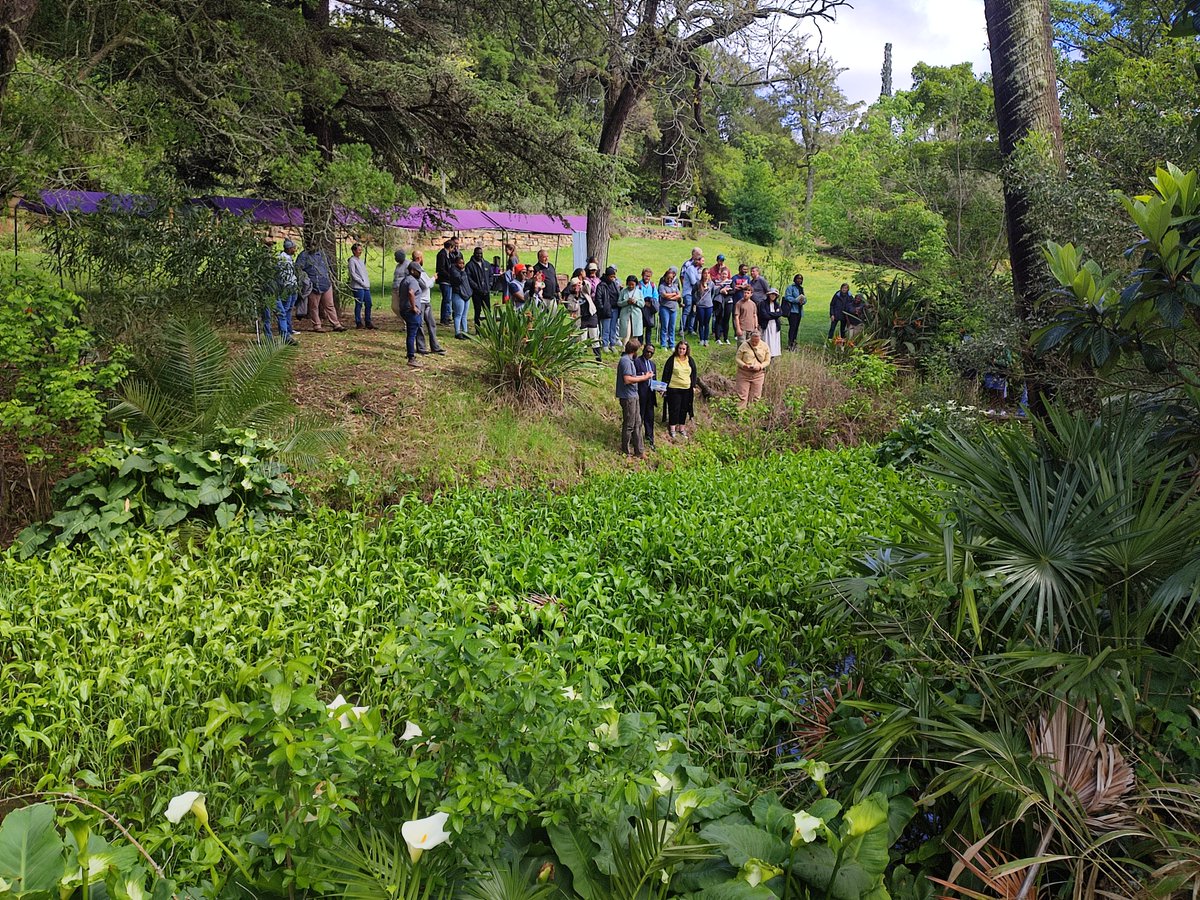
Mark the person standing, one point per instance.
(650, 311)
(758, 284)
(647, 397)
(443, 263)
(460, 290)
(589, 319)
(702, 303)
(320, 303)
(689, 277)
(722, 300)
(856, 315)
(630, 304)
(607, 297)
(753, 358)
(769, 314)
(399, 273)
(841, 303)
(793, 308)
(360, 287)
(417, 267)
(286, 289)
(745, 316)
(681, 377)
(514, 286)
(479, 278)
(546, 269)
(628, 383)
(407, 304)
(669, 298)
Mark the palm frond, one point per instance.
(509, 880)
(370, 864)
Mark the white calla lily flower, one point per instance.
(344, 719)
(806, 827)
(411, 730)
(187, 802)
(570, 693)
(425, 834)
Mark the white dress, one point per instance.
(770, 334)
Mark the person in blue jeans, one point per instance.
(408, 294)
(460, 284)
(285, 295)
(360, 286)
(670, 295)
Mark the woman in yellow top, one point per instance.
(679, 373)
(753, 357)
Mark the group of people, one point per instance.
(712, 303)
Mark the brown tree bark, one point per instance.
(1026, 91)
(15, 17)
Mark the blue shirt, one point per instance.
(689, 277)
(649, 292)
(626, 366)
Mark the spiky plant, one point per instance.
(532, 355)
(194, 384)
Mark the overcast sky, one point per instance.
(939, 32)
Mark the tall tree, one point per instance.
(1026, 97)
(647, 42)
(15, 16)
(813, 106)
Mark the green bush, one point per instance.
(912, 438)
(531, 354)
(124, 486)
(53, 374)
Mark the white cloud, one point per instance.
(938, 32)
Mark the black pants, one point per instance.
(648, 340)
(677, 406)
(793, 328)
(480, 301)
(649, 404)
(834, 324)
(721, 312)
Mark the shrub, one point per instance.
(53, 378)
(124, 486)
(908, 442)
(530, 354)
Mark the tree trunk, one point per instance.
(599, 226)
(1026, 91)
(15, 17)
(809, 188)
(319, 225)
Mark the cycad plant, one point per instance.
(531, 354)
(1086, 532)
(194, 385)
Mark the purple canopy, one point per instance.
(86, 202)
(563, 225)
(426, 218)
(273, 212)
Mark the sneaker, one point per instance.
(412, 362)
(292, 341)
(339, 327)
(369, 327)
(318, 329)
(441, 351)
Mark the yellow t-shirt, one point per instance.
(681, 374)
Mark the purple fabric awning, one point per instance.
(563, 225)
(276, 212)
(84, 202)
(426, 218)
(273, 212)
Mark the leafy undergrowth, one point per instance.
(681, 594)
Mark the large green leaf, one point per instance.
(737, 890)
(31, 851)
(740, 842)
(576, 851)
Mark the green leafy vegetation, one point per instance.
(533, 355)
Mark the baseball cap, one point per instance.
(611, 270)
(289, 244)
